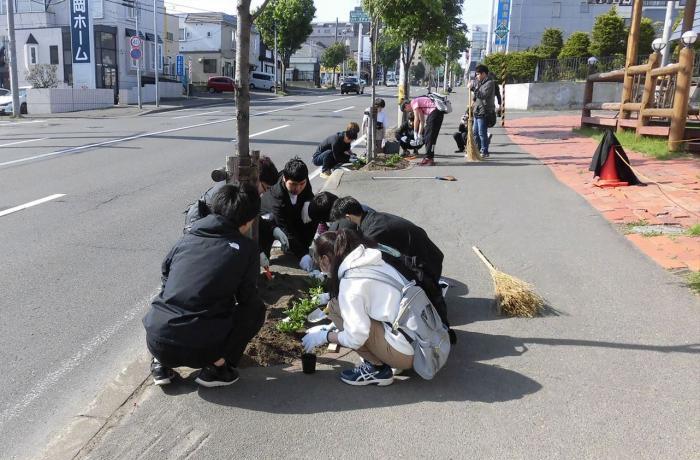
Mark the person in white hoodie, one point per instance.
(362, 309)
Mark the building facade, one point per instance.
(208, 42)
(478, 37)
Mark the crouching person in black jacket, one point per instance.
(208, 308)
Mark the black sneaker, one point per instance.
(453, 336)
(217, 376)
(161, 375)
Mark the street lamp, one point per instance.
(592, 60)
(689, 37)
(658, 45)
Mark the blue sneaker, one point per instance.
(367, 374)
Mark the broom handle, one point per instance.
(483, 258)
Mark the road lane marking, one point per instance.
(23, 142)
(264, 132)
(314, 174)
(31, 203)
(156, 133)
(196, 114)
(20, 122)
(346, 108)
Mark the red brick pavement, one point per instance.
(675, 201)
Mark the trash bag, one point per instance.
(609, 145)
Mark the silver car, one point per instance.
(6, 100)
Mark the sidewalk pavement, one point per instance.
(611, 371)
(671, 197)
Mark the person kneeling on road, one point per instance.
(335, 149)
(360, 310)
(208, 308)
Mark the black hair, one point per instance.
(295, 170)
(320, 207)
(481, 68)
(343, 206)
(379, 102)
(404, 103)
(336, 246)
(268, 171)
(352, 130)
(239, 204)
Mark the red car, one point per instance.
(220, 84)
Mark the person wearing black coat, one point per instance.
(208, 308)
(417, 252)
(335, 149)
(286, 206)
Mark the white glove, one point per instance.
(419, 139)
(264, 261)
(322, 327)
(282, 238)
(314, 339)
(306, 263)
(413, 143)
(305, 213)
(316, 316)
(404, 138)
(316, 274)
(323, 299)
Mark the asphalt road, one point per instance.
(78, 270)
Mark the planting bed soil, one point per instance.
(380, 163)
(271, 346)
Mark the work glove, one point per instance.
(322, 327)
(404, 139)
(316, 274)
(306, 263)
(316, 316)
(264, 261)
(419, 139)
(323, 299)
(282, 238)
(305, 213)
(315, 339)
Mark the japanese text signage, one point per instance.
(80, 31)
(358, 15)
(502, 23)
(180, 65)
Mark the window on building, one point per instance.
(53, 55)
(32, 54)
(182, 34)
(151, 55)
(2, 7)
(556, 9)
(29, 6)
(160, 57)
(169, 36)
(130, 12)
(208, 34)
(584, 7)
(209, 66)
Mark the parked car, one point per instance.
(259, 80)
(6, 100)
(391, 82)
(351, 85)
(220, 84)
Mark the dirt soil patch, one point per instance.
(386, 163)
(270, 346)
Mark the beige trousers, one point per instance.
(376, 349)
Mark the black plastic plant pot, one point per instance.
(308, 363)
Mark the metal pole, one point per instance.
(668, 23)
(447, 60)
(276, 76)
(489, 39)
(359, 51)
(12, 54)
(138, 63)
(157, 56)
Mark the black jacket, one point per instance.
(484, 92)
(287, 216)
(336, 143)
(209, 272)
(404, 236)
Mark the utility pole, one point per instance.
(275, 28)
(359, 51)
(489, 38)
(156, 60)
(12, 54)
(138, 63)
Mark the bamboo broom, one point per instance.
(514, 297)
(472, 151)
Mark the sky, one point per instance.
(475, 11)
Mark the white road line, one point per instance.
(264, 132)
(196, 114)
(155, 133)
(31, 203)
(20, 122)
(360, 139)
(346, 108)
(23, 142)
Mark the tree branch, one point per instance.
(253, 17)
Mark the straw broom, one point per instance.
(514, 297)
(472, 151)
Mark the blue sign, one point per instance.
(502, 23)
(180, 65)
(135, 53)
(80, 31)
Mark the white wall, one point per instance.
(148, 93)
(45, 39)
(558, 95)
(198, 40)
(58, 100)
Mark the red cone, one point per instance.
(608, 173)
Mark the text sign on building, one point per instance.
(502, 23)
(180, 65)
(80, 31)
(358, 15)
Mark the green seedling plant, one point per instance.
(393, 160)
(694, 230)
(301, 308)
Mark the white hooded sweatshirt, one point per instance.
(362, 300)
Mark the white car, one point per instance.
(391, 82)
(6, 100)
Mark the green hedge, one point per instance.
(519, 66)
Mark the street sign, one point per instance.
(135, 53)
(135, 41)
(180, 65)
(502, 22)
(80, 27)
(501, 31)
(358, 15)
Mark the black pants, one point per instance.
(327, 160)
(245, 326)
(432, 129)
(265, 237)
(461, 140)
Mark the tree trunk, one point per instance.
(242, 84)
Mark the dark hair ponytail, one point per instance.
(336, 246)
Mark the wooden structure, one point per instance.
(657, 96)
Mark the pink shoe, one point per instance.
(427, 162)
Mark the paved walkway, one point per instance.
(671, 198)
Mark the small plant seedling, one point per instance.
(694, 281)
(393, 160)
(301, 308)
(694, 230)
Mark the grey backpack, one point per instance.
(417, 320)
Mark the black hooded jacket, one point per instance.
(287, 216)
(209, 272)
